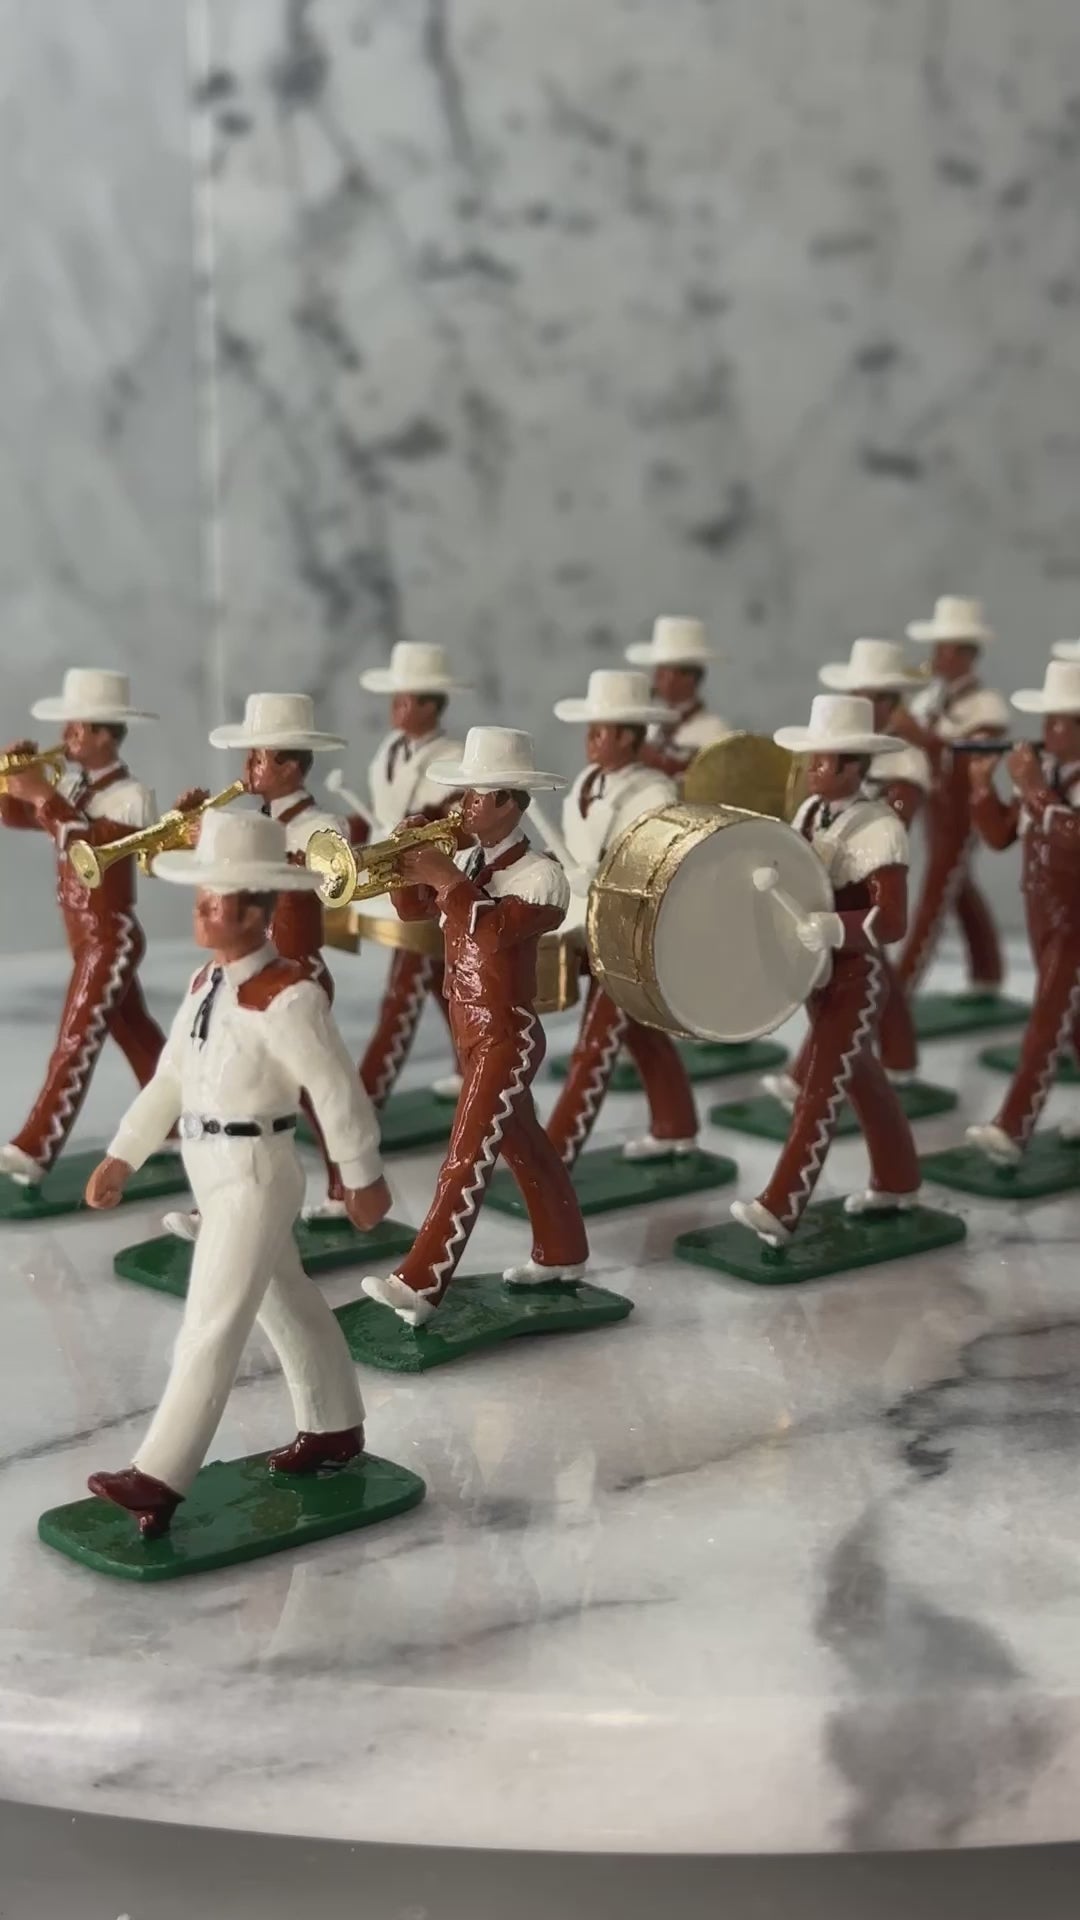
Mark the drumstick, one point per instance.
(579, 879)
(335, 784)
(765, 880)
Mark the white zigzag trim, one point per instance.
(920, 960)
(593, 1093)
(401, 1037)
(1049, 1072)
(472, 1193)
(92, 1043)
(819, 1146)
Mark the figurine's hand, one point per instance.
(1024, 769)
(28, 787)
(193, 797)
(820, 931)
(366, 1206)
(105, 1187)
(20, 747)
(427, 866)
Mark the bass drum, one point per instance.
(747, 770)
(682, 939)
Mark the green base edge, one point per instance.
(703, 1060)
(1006, 1059)
(939, 1016)
(479, 1311)
(604, 1182)
(407, 1122)
(62, 1190)
(1050, 1165)
(164, 1264)
(236, 1511)
(828, 1241)
(768, 1119)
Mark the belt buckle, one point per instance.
(191, 1127)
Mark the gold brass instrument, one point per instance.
(340, 866)
(49, 762)
(746, 770)
(91, 863)
(558, 955)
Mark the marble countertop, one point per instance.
(752, 1572)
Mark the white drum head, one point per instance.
(728, 960)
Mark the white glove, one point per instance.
(820, 931)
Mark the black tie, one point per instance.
(400, 749)
(824, 818)
(206, 1007)
(474, 865)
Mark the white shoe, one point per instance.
(873, 1200)
(782, 1087)
(182, 1226)
(532, 1274)
(448, 1087)
(751, 1213)
(1069, 1131)
(324, 1210)
(650, 1148)
(997, 1145)
(411, 1306)
(19, 1167)
(901, 1076)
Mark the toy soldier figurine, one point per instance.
(863, 846)
(614, 789)
(97, 800)
(677, 656)
(252, 1031)
(494, 900)
(953, 708)
(1045, 816)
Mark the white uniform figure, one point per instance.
(598, 808)
(246, 1040)
(678, 656)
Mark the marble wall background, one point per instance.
(518, 323)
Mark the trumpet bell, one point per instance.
(332, 858)
(86, 862)
(749, 771)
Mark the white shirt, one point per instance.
(955, 711)
(907, 763)
(536, 878)
(313, 819)
(126, 802)
(694, 731)
(252, 1066)
(618, 800)
(862, 836)
(407, 790)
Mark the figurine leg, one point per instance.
(843, 1021)
(673, 1119)
(896, 1028)
(101, 977)
(559, 1238)
(894, 1164)
(310, 1345)
(592, 1063)
(412, 977)
(986, 969)
(1051, 1027)
(137, 1033)
(944, 876)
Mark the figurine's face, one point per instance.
(611, 747)
(836, 776)
(1061, 737)
(416, 714)
(229, 924)
(489, 817)
(676, 686)
(884, 705)
(89, 746)
(273, 776)
(954, 659)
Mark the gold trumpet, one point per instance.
(49, 761)
(170, 832)
(340, 866)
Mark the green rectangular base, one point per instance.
(938, 1016)
(768, 1119)
(703, 1060)
(1050, 1165)
(604, 1182)
(479, 1311)
(1006, 1059)
(236, 1510)
(62, 1190)
(407, 1122)
(828, 1241)
(164, 1264)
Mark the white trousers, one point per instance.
(246, 1267)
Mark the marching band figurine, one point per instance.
(494, 900)
(863, 846)
(96, 799)
(613, 789)
(953, 708)
(677, 657)
(1044, 814)
(251, 1033)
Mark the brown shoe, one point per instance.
(149, 1501)
(310, 1451)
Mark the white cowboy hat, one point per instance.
(676, 642)
(873, 666)
(617, 699)
(494, 757)
(92, 694)
(277, 720)
(1066, 649)
(954, 619)
(839, 723)
(1059, 693)
(239, 851)
(415, 667)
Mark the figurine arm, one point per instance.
(885, 921)
(997, 821)
(905, 797)
(17, 813)
(505, 922)
(154, 1112)
(305, 1040)
(414, 903)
